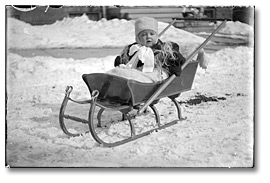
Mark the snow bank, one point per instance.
(39, 79)
(237, 28)
(80, 32)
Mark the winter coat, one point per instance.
(172, 66)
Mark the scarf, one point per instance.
(145, 54)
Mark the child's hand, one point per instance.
(201, 58)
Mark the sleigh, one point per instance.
(125, 95)
(113, 93)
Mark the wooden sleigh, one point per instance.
(110, 92)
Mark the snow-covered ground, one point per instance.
(218, 132)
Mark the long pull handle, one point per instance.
(171, 78)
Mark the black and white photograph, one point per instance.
(130, 86)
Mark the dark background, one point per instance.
(40, 15)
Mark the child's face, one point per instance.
(148, 38)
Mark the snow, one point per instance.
(237, 28)
(82, 32)
(215, 134)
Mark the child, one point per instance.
(148, 59)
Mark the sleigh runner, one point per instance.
(111, 92)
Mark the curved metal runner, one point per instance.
(91, 122)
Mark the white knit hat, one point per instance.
(145, 23)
